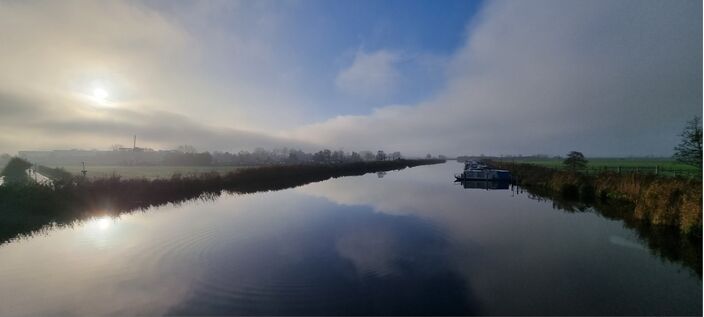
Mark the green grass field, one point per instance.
(628, 164)
(147, 171)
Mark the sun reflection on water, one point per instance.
(100, 231)
(103, 223)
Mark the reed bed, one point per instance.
(668, 201)
(26, 207)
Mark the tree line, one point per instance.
(296, 156)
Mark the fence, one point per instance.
(655, 170)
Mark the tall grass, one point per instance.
(27, 207)
(666, 242)
(667, 201)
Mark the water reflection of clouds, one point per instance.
(137, 263)
(372, 251)
(622, 242)
(313, 256)
(409, 243)
(500, 241)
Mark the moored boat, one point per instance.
(477, 171)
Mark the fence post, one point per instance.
(618, 169)
(657, 169)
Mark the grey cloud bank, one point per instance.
(604, 77)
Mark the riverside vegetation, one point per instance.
(673, 202)
(666, 242)
(26, 207)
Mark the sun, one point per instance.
(100, 94)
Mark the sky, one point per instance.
(608, 78)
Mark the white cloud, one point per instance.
(604, 77)
(371, 75)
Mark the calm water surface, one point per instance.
(410, 242)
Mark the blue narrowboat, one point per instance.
(477, 171)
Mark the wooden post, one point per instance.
(657, 169)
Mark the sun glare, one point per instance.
(100, 94)
(103, 223)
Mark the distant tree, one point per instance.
(367, 155)
(338, 156)
(355, 157)
(689, 151)
(116, 147)
(380, 155)
(296, 156)
(428, 156)
(396, 156)
(186, 149)
(575, 160)
(323, 156)
(442, 157)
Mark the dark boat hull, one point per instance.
(484, 175)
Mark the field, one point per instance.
(665, 166)
(150, 172)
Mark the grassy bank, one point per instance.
(150, 172)
(666, 242)
(27, 207)
(610, 162)
(667, 201)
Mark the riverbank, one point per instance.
(667, 201)
(27, 207)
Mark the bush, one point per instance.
(15, 171)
